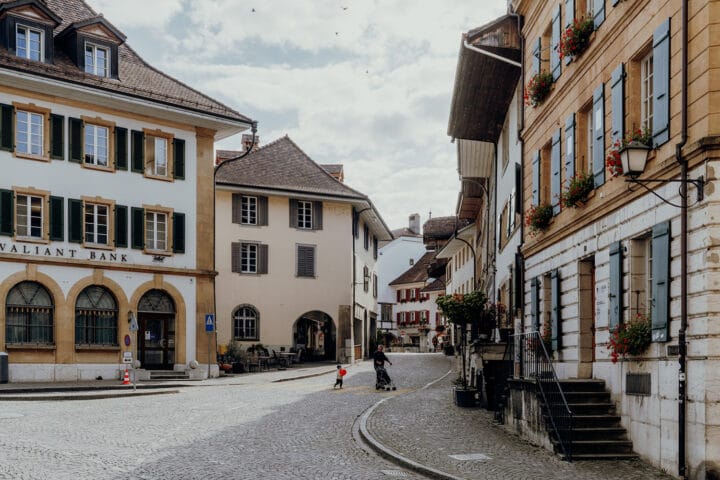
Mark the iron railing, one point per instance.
(535, 365)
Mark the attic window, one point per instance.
(97, 60)
(29, 42)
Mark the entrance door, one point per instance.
(156, 342)
(587, 306)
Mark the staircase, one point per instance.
(162, 375)
(597, 433)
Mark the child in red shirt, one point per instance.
(341, 372)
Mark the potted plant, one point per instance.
(538, 88)
(576, 37)
(631, 338)
(538, 218)
(612, 160)
(577, 191)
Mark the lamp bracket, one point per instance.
(698, 182)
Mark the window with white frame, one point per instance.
(156, 231)
(96, 223)
(156, 156)
(248, 210)
(646, 92)
(304, 214)
(248, 258)
(97, 60)
(29, 216)
(641, 274)
(97, 140)
(29, 133)
(245, 324)
(29, 43)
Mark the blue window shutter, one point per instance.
(556, 308)
(535, 304)
(598, 135)
(660, 309)
(555, 63)
(569, 12)
(537, 52)
(569, 148)
(661, 84)
(599, 12)
(616, 284)
(536, 179)
(555, 168)
(617, 94)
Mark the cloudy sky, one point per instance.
(365, 83)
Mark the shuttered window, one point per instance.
(375, 248)
(518, 206)
(305, 260)
(137, 228)
(617, 94)
(375, 285)
(178, 226)
(121, 226)
(660, 305)
(555, 310)
(616, 285)
(57, 137)
(304, 219)
(598, 135)
(29, 216)
(555, 169)
(76, 140)
(137, 151)
(121, 148)
(178, 159)
(96, 223)
(661, 84)
(75, 220)
(555, 63)
(7, 136)
(366, 237)
(598, 12)
(29, 133)
(306, 215)
(536, 179)
(249, 257)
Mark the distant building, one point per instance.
(336, 171)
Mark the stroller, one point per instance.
(383, 380)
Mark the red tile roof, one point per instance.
(416, 273)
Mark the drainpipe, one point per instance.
(682, 341)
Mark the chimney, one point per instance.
(246, 142)
(414, 223)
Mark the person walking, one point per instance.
(341, 372)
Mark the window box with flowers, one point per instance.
(612, 161)
(538, 218)
(577, 191)
(538, 88)
(631, 338)
(576, 38)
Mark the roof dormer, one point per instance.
(93, 45)
(26, 29)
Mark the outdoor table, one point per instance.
(287, 357)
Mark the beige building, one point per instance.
(296, 254)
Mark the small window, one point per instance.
(97, 141)
(97, 224)
(156, 229)
(646, 92)
(156, 156)
(248, 210)
(29, 43)
(304, 219)
(29, 215)
(248, 258)
(245, 324)
(29, 136)
(306, 261)
(97, 60)
(366, 279)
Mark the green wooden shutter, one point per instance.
(262, 265)
(569, 148)
(7, 212)
(536, 55)
(293, 213)
(76, 140)
(235, 255)
(317, 215)
(555, 63)
(262, 211)
(598, 12)
(121, 149)
(598, 135)
(7, 135)
(137, 228)
(121, 226)
(615, 306)
(57, 219)
(236, 208)
(617, 95)
(535, 304)
(137, 151)
(178, 232)
(555, 310)
(536, 179)
(660, 309)
(75, 219)
(555, 169)
(57, 137)
(661, 84)
(179, 159)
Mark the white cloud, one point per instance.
(138, 13)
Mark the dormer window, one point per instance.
(29, 43)
(97, 60)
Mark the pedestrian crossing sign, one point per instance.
(209, 322)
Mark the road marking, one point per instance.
(470, 456)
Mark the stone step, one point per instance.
(600, 456)
(595, 433)
(587, 397)
(169, 375)
(596, 421)
(573, 385)
(592, 408)
(583, 447)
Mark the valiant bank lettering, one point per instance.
(39, 250)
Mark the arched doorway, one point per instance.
(156, 338)
(315, 333)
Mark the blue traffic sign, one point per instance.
(209, 322)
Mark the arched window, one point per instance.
(29, 314)
(245, 323)
(96, 315)
(156, 301)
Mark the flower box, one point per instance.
(576, 38)
(538, 89)
(538, 218)
(577, 191)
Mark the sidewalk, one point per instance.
(98, 389)
(426, 428)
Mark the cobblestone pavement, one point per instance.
(257, 429)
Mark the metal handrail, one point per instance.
(535, 364)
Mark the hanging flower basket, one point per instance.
(576, 38)
(577, 190)
(538, 88)
(631, 338)
(538, 218)
(612, 161)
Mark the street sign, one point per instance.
(134, 327)
(127, 357)
(209, 322)
(127, 340)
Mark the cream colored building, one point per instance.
(296, 255)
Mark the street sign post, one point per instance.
(210, 329)
(127, 357)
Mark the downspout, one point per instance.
(682, 340)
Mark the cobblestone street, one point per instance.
(290, 430)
